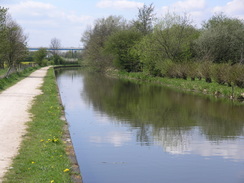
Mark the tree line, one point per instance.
(170, 46)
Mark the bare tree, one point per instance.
(145, 20)
(55, 45)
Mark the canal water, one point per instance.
(124, 132)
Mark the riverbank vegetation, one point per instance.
(42, 156)
(170, 47)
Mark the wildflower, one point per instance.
(33, 162)
(66, 170)
(52, 181)
(41, 140)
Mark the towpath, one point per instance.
(14, 105)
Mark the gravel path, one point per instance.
(14, 105)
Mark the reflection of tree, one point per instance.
(166, 115)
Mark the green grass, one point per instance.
(3, 72)
(15, 77)
(42, 156)
(198, 86)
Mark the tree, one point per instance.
(144, 23)
(221, 40)
(119, 45)
(175, 35)
(54, 46)
(40, 55)
(170, 42)
(3, 14)
(94, 41)
(15, 48)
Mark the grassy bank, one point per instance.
(15, 77)
(42, 156)
(198, 86)
(3, 71)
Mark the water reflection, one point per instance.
(111, 113)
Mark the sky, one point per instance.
(66, 20)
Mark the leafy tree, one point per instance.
(221, 40)
(175, 34)
(3, 14)
(148, 52)
(145, 20)
(15, 48)
(40, 55)
(119, 45)
(170, 42)
(94, 41)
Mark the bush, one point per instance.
(192, 70)
(221, 73)
(237, 75)
(164, 67)
(206, 70)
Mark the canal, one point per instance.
(124, 132)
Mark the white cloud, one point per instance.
(190, 5)
(121, 4)
(197, 9)
(50, 21)
(187, 6)
(233, 8)
(30, 5)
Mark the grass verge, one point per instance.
(198, 86)
(3, 71)
(42, 156)
(15, 77)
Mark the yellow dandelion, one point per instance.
(66, 170)
(52, 181)
(41, 140)
(33, 162)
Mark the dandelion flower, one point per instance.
(66, 170)
(52, 181)
(33, 162)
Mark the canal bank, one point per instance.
(42, 156)
(213, 90)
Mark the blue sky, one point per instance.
(66, 20)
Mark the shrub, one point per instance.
(192, 70)
(206, 70)
(221, 73)
(237, 75)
